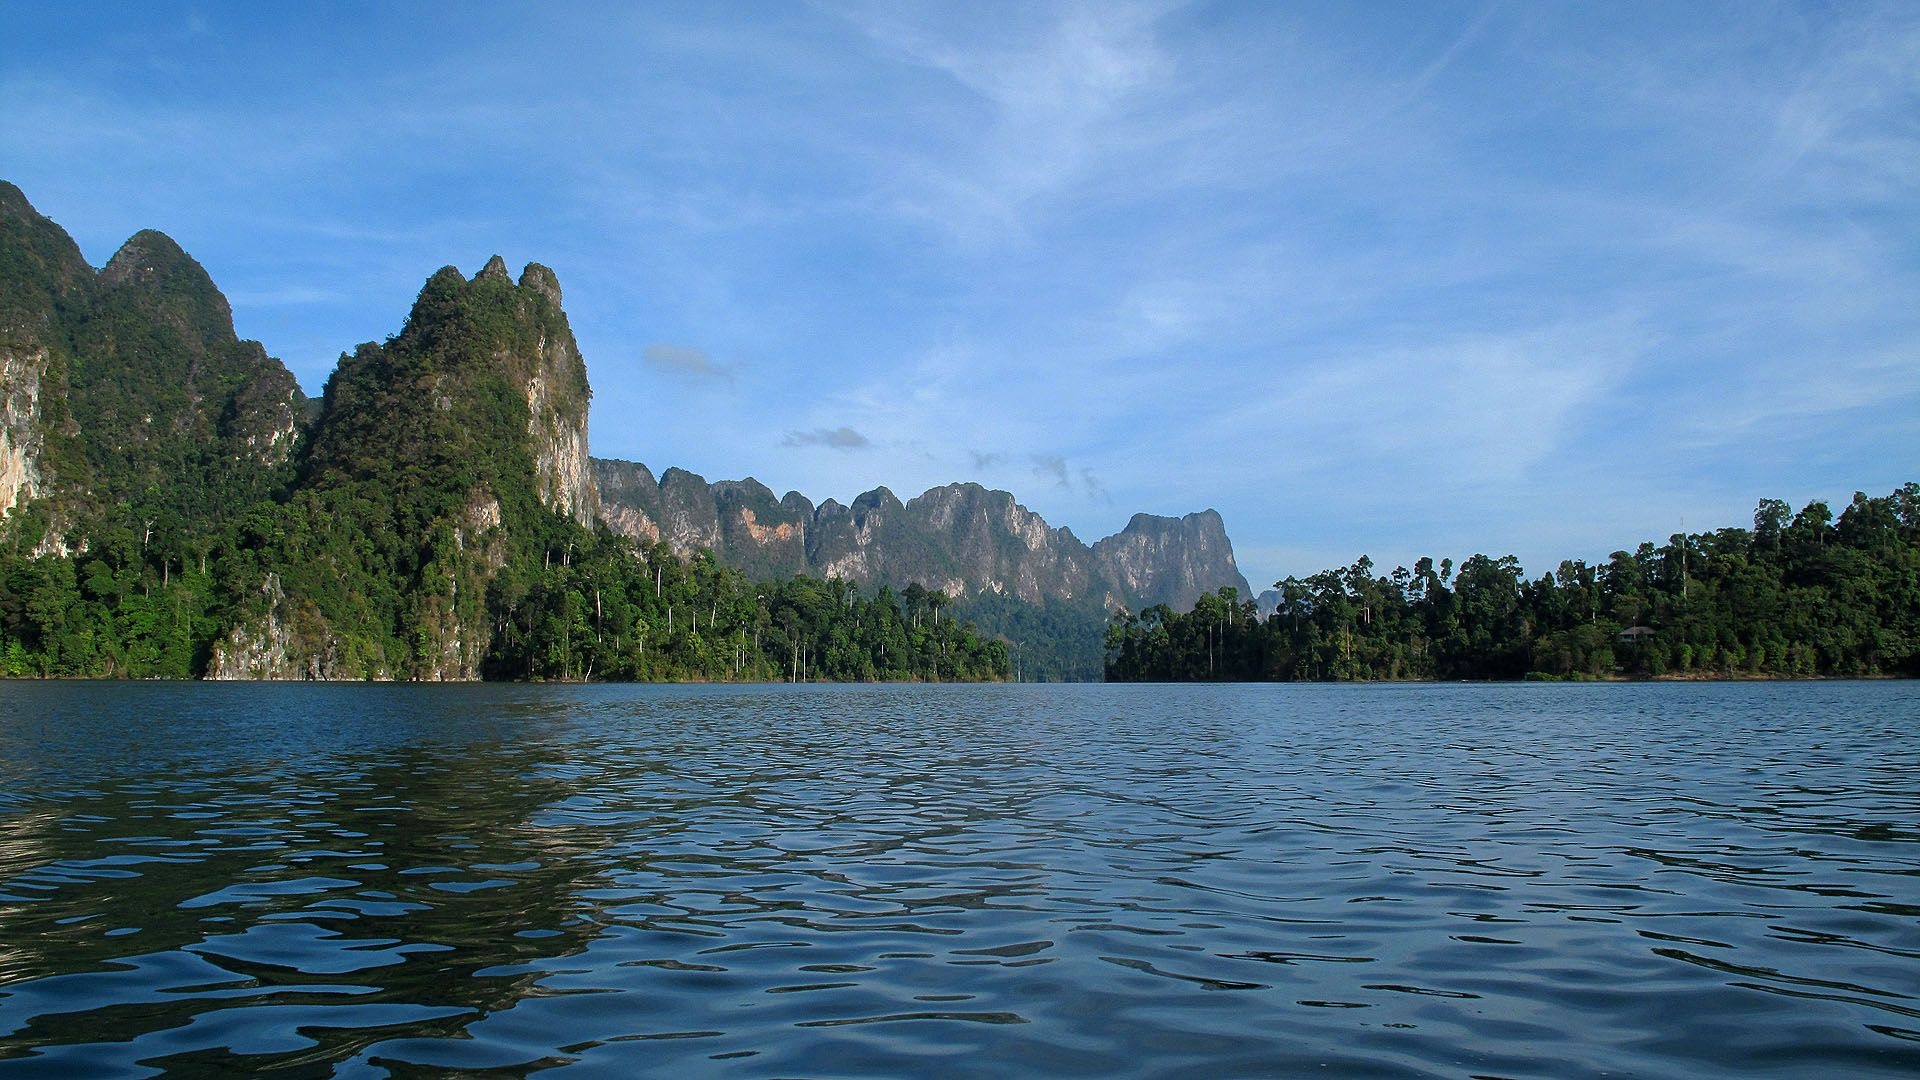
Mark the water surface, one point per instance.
(1565, 881)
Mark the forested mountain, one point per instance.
(173, 506)
(135, 430)
(438, 458)
(127, 403)
(1797, 595)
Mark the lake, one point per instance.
(1411, 880)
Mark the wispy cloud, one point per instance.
(1051, 467)
(1064, 476)
(1095, 487)
(840, 438)
(684, 360)
(1048, 102)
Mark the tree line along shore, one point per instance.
(1799, 595)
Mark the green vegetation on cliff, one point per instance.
(589, 607)
(150, 412)
(179, 419)
(1798, 595)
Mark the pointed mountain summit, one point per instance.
(480, 365)
(44, 280)
(495, 270)
(152, 259)
(166, 395)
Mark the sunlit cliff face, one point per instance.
(20, 478)
(960, 539)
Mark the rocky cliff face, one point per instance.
(1172, 561)
(1002, 547)
(22, 441)
(869, 541)
(290, 640)
(557, 395)
(689, 513)
(961, 538)
(768, 536)
(737, 519)
(629, 499)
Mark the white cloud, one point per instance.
(1050, 94)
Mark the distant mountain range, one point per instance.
(962, 539)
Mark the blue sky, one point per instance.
(1431, 278)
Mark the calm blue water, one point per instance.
(1564, 881)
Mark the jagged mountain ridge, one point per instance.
(963, 539)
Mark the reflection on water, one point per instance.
(1395, 881)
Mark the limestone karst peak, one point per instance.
(152, 258)
(879, 498)
(495, 270)
(13, 201)
(542, 280)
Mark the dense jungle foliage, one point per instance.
(603, 611)
(1051, 641)
(1797, 595)
(588, 607)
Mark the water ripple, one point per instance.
(1700, 880)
